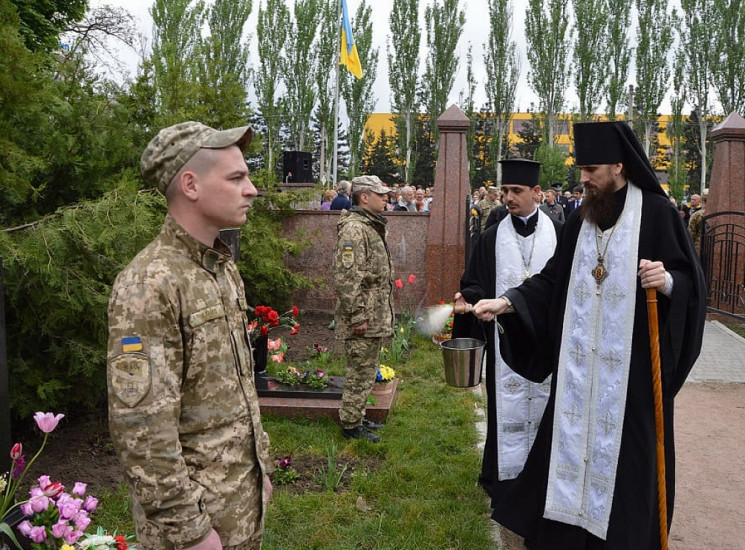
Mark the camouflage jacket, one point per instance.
(694, 227)
(363, 274)
(486, 207)
(183, 409)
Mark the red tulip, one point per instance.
(295, 311)
(16, 451)
(264, 330)
(399, 284)
(53, 489)
(412, 278)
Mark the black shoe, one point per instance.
(370, 425)
(360, 433)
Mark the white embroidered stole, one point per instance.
(519, 402)
(593, 373)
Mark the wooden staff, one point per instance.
(654, 346)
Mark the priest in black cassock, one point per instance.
(517, 246)
(590, 479)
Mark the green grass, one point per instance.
(421, 493)
(739, 328)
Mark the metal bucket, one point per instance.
(462, 358)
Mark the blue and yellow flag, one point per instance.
(349, 56)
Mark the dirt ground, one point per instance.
(710, 470)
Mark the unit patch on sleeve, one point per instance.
(130, 377)
(347, 255)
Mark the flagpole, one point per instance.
(336, 98)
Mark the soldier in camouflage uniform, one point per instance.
(487, 204)
(183, 409)
(363, 277)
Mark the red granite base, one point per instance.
(293, 407)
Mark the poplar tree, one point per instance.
(403, 75)
(619, 54)
(654, 37)
(224, 73)
(444, 24)
(698, 42)
(546, 30)
(176, 43)
(591, 54)
(728, 76)
(467, 105)
(271, 30)
(328, 58)
(502, 73)
(357, 93)
(299, 65)
(677, 170)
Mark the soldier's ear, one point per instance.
(189, 184)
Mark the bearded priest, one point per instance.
(589, 482)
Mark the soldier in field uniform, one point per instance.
(363, 277)
(183, 410)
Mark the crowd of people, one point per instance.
(405, 198)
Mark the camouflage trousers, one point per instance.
(363, 359)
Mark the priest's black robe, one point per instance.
(479, 282)
(530, 346)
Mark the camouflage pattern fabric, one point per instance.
(694, 228)
(362, 357)
(183, 410)
(363, 274)
(363, 278)
(486, 207)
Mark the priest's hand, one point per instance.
(652, 274)
(460, 305)
(487, 310)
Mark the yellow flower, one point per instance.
(66, 547)
(3, 483)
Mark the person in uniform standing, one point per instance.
(589, 482)
(363, 279)
(183, 409)
(509, 251)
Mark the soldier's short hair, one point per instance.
(168, 151)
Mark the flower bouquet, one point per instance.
(258, 329)
(382, 379)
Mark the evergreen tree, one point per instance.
(403, 76)
(502, 73)
(380, 157)
(444, 24)
(531, 136)
(424, 173)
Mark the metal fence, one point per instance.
(723, 259)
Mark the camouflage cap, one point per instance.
(369, 183)
(173, 146)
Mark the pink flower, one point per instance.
(81, 520)
(79, 488)
(278, 357)
(39, 504)
(273, 345)
(26, 509)
(399, 284)
(90, 504)
(72, 538)
(47, 422)
(60, 529)
(68, 506)
(16, 451)
(412, 278)
(43, 481)
(38, 534)
(320, 373)
(24, 528)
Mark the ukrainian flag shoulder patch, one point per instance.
(131, 343)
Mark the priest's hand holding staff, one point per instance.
(652, 274)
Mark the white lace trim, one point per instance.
(592, 378)
(519, 402)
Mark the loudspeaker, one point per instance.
(297, 167)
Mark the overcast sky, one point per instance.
(475, 32)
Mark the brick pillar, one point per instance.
(727, 186)
(446, 235)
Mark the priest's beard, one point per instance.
(597, 206)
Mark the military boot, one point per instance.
(360, 432)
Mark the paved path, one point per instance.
(722, 361)
(722, 356)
